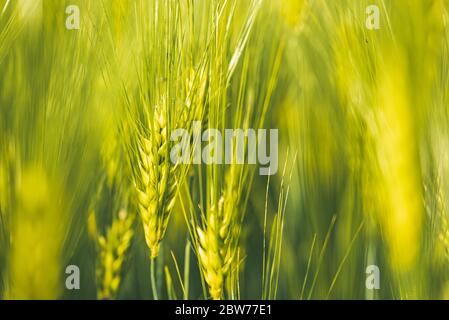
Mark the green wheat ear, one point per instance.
(158, 178)
(444, 233)
(113, 248)
(218, 239)
(156, 188)
(171, 94)
(210, 251)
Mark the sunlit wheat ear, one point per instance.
(113, 249)
(218, 243)
(158, 177)
(210, 253)
(156, 188)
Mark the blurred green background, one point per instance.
(363, 125)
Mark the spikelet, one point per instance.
(113, 249)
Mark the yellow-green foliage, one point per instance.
(85, 123)
(369, 104)
(37, 231)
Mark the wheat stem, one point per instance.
(153, 280)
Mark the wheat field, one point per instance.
(92, 205)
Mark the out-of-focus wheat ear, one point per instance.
(444, 235)
(113, 249)
(37, 223)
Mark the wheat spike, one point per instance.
(218, 240)
(444, 233)
(156, 183)
(158, 178)
(113, 248)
